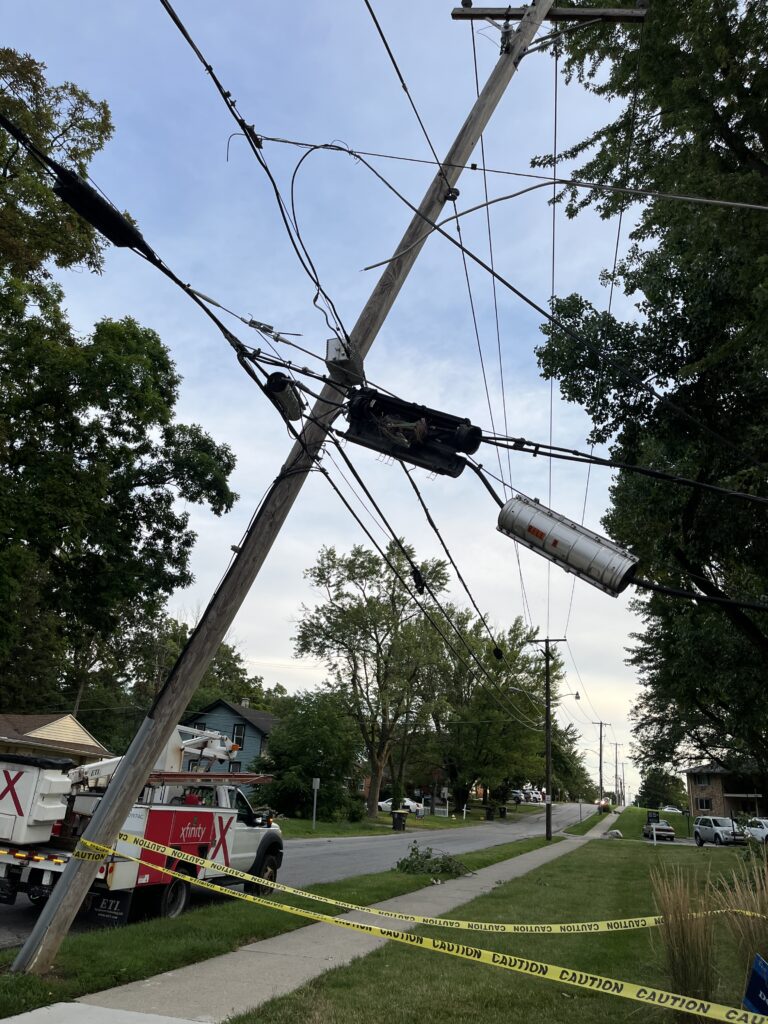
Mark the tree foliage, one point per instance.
(92, 460)
(314, 738)
(375, 641)
(690, 88)
(659, 788)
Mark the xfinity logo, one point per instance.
(191, 832)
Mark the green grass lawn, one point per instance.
(580, 828)
(631, 820)
(89, 963)
(405, 985)
(300, 828)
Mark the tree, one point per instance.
(375, 641)
(314, 738)
(487, 713)
(659, 788)
(692, 83)
(92, 460)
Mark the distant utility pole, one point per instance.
(616, 772)
(547, 729)
(38, 952)
(601, 724)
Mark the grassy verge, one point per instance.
(582, 827)
(601, 880)
(89, 963)
(632, 819)
(299, 828)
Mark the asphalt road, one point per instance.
(327, 860)
(307, 861)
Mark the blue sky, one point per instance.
(319, 73)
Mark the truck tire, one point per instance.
(268, 872)
(174, 898)
(698, 839)
(718, 839)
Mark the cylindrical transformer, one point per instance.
(573, 547)
(285, 395)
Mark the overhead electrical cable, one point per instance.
(627, 155)
(498, 651)
(541, 449)
(254, 141)
(556, 322)
(546, 180)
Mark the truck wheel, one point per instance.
(718, 840)
(698, 839)
(37, 899)
(174, 898)
(268, 873)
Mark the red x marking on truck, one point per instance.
(10, 789)
(222, 843)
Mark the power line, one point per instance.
(498, 652)
(641, 193)
(254, 141)
(559, 324)
(549, 451)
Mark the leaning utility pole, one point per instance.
(39, 951)
(616, 771)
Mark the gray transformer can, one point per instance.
(574, 548)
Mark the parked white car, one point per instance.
(758, 829)
(720, 831)
(671, 810)
(406, 804)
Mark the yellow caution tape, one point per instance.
(80, 854)
(579, 927)
(646, 994)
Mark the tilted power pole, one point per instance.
(38, 952)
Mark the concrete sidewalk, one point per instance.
(211, 991)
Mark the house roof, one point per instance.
(50, 732)
(264, 721)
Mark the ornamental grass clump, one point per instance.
(687, 936)
(742, 898)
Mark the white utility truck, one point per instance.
(46, 804)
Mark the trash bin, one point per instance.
(489, 814)
(398, 820)
(503, 811)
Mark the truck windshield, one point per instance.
(722, 822)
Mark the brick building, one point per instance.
(715, 790)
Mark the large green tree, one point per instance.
(92, 460)
(375, 641)
(689, 89)
(315, 738)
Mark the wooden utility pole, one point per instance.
(601, 724)
(38, 952)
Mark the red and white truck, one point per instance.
(46, 804)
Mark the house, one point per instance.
(715, 790)
(59, 735)
(248, 728)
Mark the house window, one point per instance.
(703, 803)
(193, 766)
(200, 725)
(701, 780)
(234, 766)
(238, 734)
